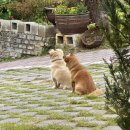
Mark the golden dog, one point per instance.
(59, 71)
(82, 82)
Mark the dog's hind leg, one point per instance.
(56, 84)
(73, 87)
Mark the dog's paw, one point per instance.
(54, 87)
(64, 88)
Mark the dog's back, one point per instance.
(83, 81)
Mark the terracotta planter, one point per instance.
(72, 24)
(92, 38)
(50, 15)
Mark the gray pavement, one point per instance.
(85, 57)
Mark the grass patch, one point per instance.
(69, 109)
(21, 106)
(96, 66)
(73, 95)
(60, 116)
(26, 119)
(12, 126)
(14, 115)
(77, 101)
(6, 59)
(85, 113)
(95, 98)
(48, 96)
(49, 104)
(111, 121)
(40, 69)
(16, 70)
(40, 112)
(84, 123)
(85, 105)
(63, 99)
(35, 102)
(98, 106)
(99, 127)
(57, 127)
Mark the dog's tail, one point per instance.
(97, 92)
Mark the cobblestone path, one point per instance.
(27, 99)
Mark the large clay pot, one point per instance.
(50, 15)
(72, 24)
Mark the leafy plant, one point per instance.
(118, 88)
(71, 3)
(4, 11)
(91, 26)
(30, 10)
(63, 9)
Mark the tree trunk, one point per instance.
(93, 7)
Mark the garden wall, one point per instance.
(28, 38)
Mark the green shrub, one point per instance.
(118, 84)
(63, 9)
(4, 11)
(30, 10)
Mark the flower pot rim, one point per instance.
(72, 14)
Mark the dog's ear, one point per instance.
(71, 53)
(66, 58)
(60, 50)
(51, 51)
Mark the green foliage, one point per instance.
(118, 89)
(81, 8)
(63, 9)
(30, 10)
(6, 59)
(91, 26)
(69, 3)
(4, 11)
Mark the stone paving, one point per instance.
(27, 98)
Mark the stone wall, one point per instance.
(28, 38)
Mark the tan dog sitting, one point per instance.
(60, 73)
(82, 81)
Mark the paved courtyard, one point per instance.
(84, 57)
(27, 99)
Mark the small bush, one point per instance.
(63, 9)
(29, 10)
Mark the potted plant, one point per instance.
(49, 9)
(71, 20)
(93, 36)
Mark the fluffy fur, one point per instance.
(82, 81)
(60, 73)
